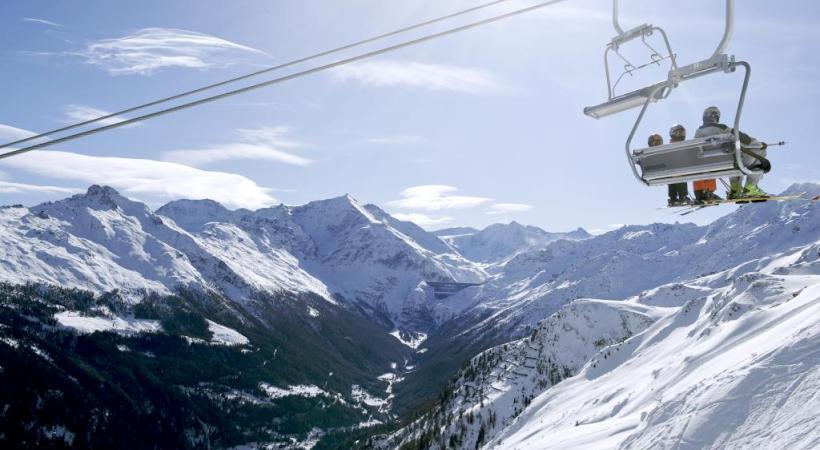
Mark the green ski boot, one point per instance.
(752, 190)
(735, 191)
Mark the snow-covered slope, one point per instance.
(102, 241)
(365, 258)
(728, 360)
(737, 368)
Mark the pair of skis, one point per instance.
(689, 209)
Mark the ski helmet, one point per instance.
(711, 115)
(655, 139)
(677, 132)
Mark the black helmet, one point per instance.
(677, 132)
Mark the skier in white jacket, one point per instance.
(712, 126)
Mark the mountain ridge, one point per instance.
(360, 260)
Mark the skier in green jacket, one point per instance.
(712, 126)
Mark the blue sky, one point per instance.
(480, 127)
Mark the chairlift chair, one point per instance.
(689, 160)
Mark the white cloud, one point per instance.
(151, 49)
(507, 208)
(148, 180)
(422, 220)
(436, 198)
(398, 139)
(41, 21)
(80, 113)
(7, 187)
(11, 133)
(256, 144)
(434, 77)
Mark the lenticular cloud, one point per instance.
(152, 49)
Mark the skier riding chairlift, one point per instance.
(678, 192)
(754, 152)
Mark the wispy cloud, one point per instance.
(41, 22)
(436, 198)
(149, 180)
(264, 144)
(80, 113)
(507, 208)
(10, 133)
(7, 187)
(398, 139)
(152, 49)
(434, 77)
(422, 220)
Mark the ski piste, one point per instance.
(743, 201)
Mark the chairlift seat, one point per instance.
(690, 160)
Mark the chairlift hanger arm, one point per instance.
(727, 33)
(729, 30)
(741, 103)
(618, 103)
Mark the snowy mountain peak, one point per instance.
(427, 240)
(810, 189)
(498, 242)
(192, 215)
(323, 219)
(334, 208)
(98, 198)
(579, 234)
(103, 197)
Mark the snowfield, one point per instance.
(223, 335)
(274, 392)
(125, 326)
(737, 369)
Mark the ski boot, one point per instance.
(735, 190)
(752, 190)
(683, 201)
(705, 196)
